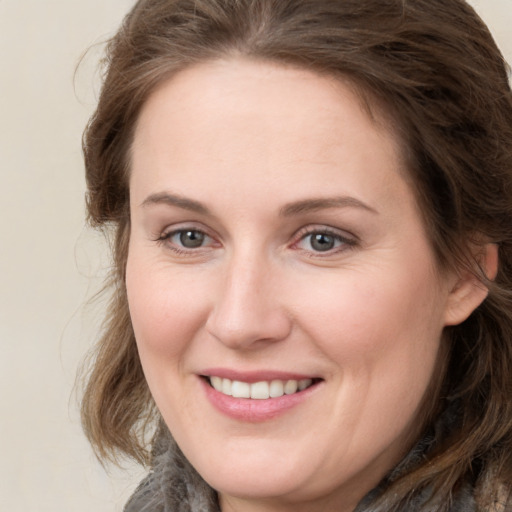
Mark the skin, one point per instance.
(241, 141)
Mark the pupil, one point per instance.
(322, 242)
(191, 239)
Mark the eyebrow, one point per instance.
(288, 210)
(176, 200)
(315, 204)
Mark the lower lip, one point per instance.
(253, 410)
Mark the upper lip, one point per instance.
(255, 375)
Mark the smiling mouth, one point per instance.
(262, 390)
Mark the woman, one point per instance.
(312, 209)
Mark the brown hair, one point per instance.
(437, 70)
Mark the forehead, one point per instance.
(229, 81)
(236, 108)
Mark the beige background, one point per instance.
(49, 263)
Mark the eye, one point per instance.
(191, 239)
(186, 239)
(324, 241)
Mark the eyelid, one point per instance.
(182, 226)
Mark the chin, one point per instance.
(260, 485)
(252, 476)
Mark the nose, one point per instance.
(249, 309)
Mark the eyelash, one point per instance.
(345, 242)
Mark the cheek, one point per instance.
(166, 307)
(383, 336)
(383, 328)
(367, 309)
(167, 311)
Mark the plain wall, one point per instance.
(50, 264)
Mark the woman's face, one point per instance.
(276, 244)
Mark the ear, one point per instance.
(468, 291)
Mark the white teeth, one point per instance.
(304, 383)
(226, 386)
(276, 388)
(259, 390)
(216, 383)
(291, 387)
(240, 389)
